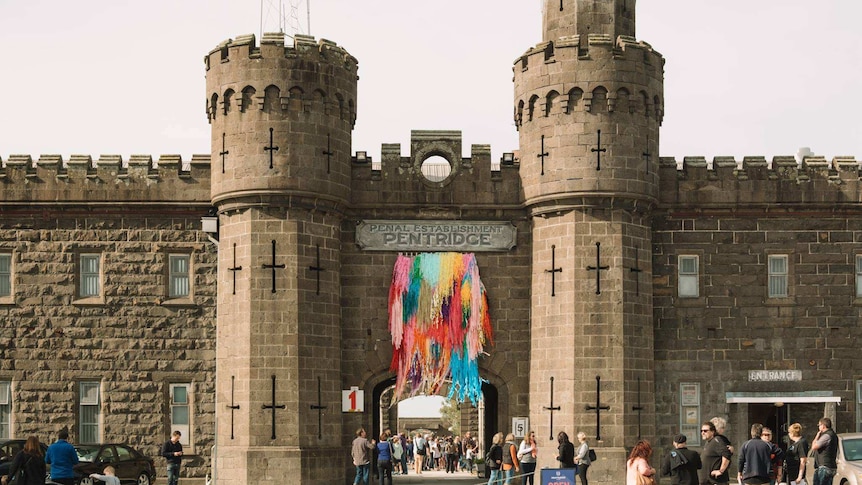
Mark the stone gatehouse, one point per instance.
(662, 292)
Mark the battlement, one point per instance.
(754, 180)
(596, 46)
(106, 179)
(564, 76)
(307, 77)
(272, 46)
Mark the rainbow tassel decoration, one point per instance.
(438, 318)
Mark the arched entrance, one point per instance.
(481, 421)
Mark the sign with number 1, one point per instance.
(353, 400)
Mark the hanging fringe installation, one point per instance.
(438, 318)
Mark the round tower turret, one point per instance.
(281, 119)
(588, 105)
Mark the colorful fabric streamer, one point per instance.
(438, 318)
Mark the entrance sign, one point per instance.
(520, 426)
(430, 236)
(558, 476)
(353, 400)
(774, 375)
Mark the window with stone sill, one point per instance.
(859, 276)
(181, 411)
(6, 278)
(5, 409)
(859, 406)
(89, 412)
(688, 276)
(89, 278)
(778, 276)
(179, 277)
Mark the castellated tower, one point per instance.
(588, 105)
(281, 121)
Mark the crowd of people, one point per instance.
(399, 454)
(508, 461)
(760, 460)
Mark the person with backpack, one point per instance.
(681, 464)
(420, 448)
(494, 459)
(583, 457)
(511, 465)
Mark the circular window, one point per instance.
(436, 168)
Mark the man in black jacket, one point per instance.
(172, 450)
(681, 464)
(825, 447)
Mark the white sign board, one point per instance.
(774, 375)
(520, 426)
(353, 400)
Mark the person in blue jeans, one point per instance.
(61, 455)
(825, 447)
(360, 451)
(495, 460)
(172, 451)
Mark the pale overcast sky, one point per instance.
(742, 77)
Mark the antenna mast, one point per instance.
(275, 17)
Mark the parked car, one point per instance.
(8, 450)
(129, 464)
(849, 461)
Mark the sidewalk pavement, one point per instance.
(438, 477)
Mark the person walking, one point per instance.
(565, 451)
(638, 468)
(61, 455)
(494, 459)
(384, 459)
(755, 462)
(361, 453)
(796, 456)
(681, 464)
(511, 465)
(582, 457)
(527, 455)
(172, 451)
(716, 456)
(825, 446)
(31, 460)
(420, 449)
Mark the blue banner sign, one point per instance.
(558, 476)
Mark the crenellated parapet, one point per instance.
(756, 182)
(105, 180)
(570, 75)
(314, 85)
(406, 181)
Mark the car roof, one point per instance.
(850, 436)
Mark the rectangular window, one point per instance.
(5, 275)
(688, 278)
(90, 413)
(859, 406)
(5, 408)
(859, 276)
(181, 411)
(689, 411)
(178, 276)
(90, 285)
(778, 276)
